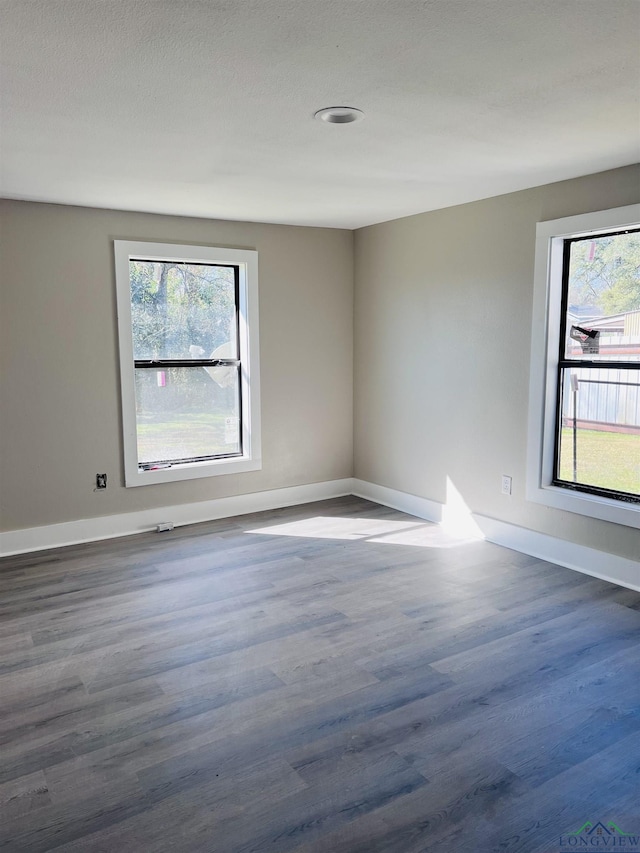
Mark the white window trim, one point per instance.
(247, 261)
(545, 343)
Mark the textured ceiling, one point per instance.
(204, 107)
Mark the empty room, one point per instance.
(319, 426)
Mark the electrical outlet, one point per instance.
(101, 481)
(506, 484)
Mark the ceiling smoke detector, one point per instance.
(339, 115)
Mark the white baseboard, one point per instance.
(599, 564)
(124, 524)
(420, 507)
(589, 561)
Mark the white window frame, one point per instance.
(247, 262)
(545, 346)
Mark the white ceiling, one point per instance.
(204, 107)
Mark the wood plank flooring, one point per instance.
(332, 678)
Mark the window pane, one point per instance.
(600, 429)
(603, 304)
(183, 310)
(186, 413)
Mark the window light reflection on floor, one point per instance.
(457, 527)
(422, 534)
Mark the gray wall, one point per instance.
(60, 399)
(442, 339)
(441, 367)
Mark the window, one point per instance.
(187, 319)
(584, 430)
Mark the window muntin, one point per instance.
(598, 401)
(187, 320)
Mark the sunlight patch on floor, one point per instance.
(419, 534)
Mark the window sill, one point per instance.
(582, 503)
(193, 470)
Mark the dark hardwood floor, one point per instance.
(332, 678)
